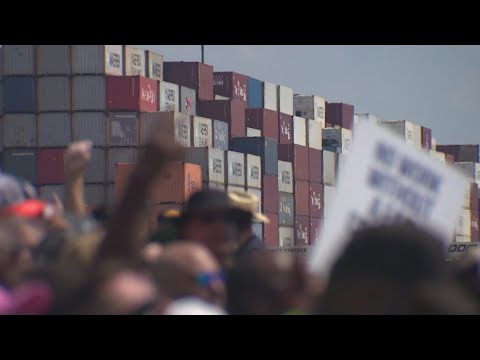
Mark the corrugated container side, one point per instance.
(19, 60)
(123, 129)
(251, 132)
(270, 194)
(265, 120)
(96, 171)
(258, 194)
(202, 134)
(299, 131)
(310, 107)
(134, 60)
(286, 209)
(298, 156)
(230, 111)
(270, 96)
(253, 171)
(169, 97)
(301, 193)
(315, 165)
(19, 130)
(211, 161)
(90, 126)
(54, 129)
(285, 100)
(54, 94)
(316, 200)
(264, 147)
(193, 75)
(339, 114)
(285, 128)
(270, 231)
(88, 93)
(286, 236)
(175, 124)
(255, 93)
(54, 60)
(12, 87)
(302, 230)
(21, 163)
(131, 93)
(329, 168)
(188, 101)
(97, 60)
(314, 230)
(154, 63)
(119, 156)
(50, 166)
(235, 168)
(231, 85)
(285, 176)
(220, 135)
(95, 195)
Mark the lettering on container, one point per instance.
(157, 69)
(218, 80)
(237, 169)
(203, 129)
(316, 200)
(285, 207)
(410, 135)
(254, 172)
(217, 166)
(286, 177)
(136, 62)
(113, 60)
(240, 91)
(182, 131)
(302, 234)
(320, 112)
(148, 95)
(220, 135)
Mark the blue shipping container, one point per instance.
(255, 94)
(19, 94)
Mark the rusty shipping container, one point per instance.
(315, 165)
(270, 194)
(286, 209)
(193, 75)
(264, 120)
(123, 129)
(54, 129)
(231, 85)
(302, 198)
(298, 156)
(302, 230)
(316, 200)
(285, 176)
(97, 60)
(285, 129)
(90, 126)
(264, 147)
(50, 166)
(154, 63)
(230, 111)
(19, 130)
(131, 93)
(175, 124)
(270, 231)
(211, 161)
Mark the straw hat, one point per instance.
(248, 203)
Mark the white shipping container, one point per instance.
(402, 128)
(464, 223)
(270, 96)
(235, 163)
(417, 136)
(169, 97)
(18, 60)
(202, 132)
(299, 131)
(310, 107)
(365, 118)
(329, 194)
(471, 170)
(154, 65)
(314, 134)
(258, 194)
(329, 168)
(88, 93)
(434, 143)
(466, 198)
(97, 60)
(134, 60)
(178, 124)
(286, 236)
(340, 138)
(285, 100)
(90, 126)
(54, 129)
(54, 94)
(342, 158)
(251, 132)
(19, 130)
(285, 177)
(253, 171)
(54, 60)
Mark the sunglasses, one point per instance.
(206, 278)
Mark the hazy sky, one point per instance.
(434, 86)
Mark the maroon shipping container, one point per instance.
(298, 156)
(229, 111)
(270, 231)
(302, 230)
(314, 230)
(315, 165)
(50, 166)
(270, 200)
(131, 93)
(461, 153)
(426, 138)
(339, 114)
(231, 85)
(316, 200)
(302, 194)
(474, 201)
(193, 75)
(475, 226)
(285, 129)
(450, 159)
(453, 150)
(263, 119)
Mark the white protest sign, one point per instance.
(385, 181)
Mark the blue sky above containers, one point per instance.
(434, 86)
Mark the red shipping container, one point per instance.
(475, 226)
(50, 166)
(302, 230)
(426, 138)
(316, 200)
(231, 85)
(450, 159)
(263, 119)
(474, 201)
(315, 165)
(193, 75)
(298, 156)
(285, 129)
(302, 194)
(229, 111)
(270, 196)
(314, 230)
(339, 114)
(131, 93)
(270, 231)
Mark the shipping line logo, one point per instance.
(316, 200)
(217, 166)
(149, 95)
(220, 135)
(286, 177)
(113, 60)
(285, 207)
(285, 129)
(302, 234)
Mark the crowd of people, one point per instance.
(58, 258)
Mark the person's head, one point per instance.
(210, 220)
(189, 269)
(393, 270)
